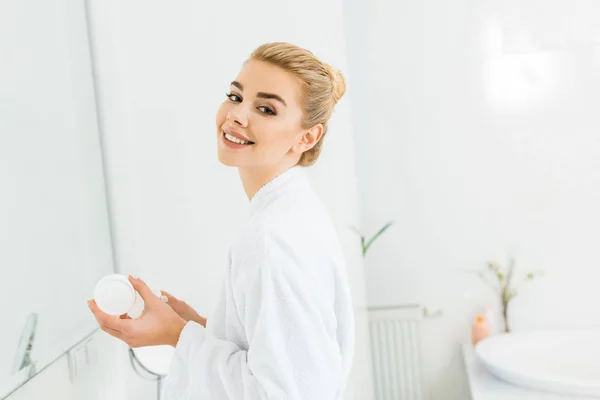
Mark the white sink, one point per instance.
(562, 362)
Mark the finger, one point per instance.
(105, 320)
(98, 313)
(143, 289)
(125, 316)
(170, 298)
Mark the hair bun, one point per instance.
(338, 82)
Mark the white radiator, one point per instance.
(395, 348)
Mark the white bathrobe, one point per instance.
(284, 325)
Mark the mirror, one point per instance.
(55, 239)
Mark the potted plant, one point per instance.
(502, 283)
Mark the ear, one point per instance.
(309, 139)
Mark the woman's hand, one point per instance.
(184, 310)
(159, 324)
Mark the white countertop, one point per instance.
(485, 386)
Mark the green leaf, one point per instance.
(381, 231)
(500, 276)
(508, 296)
(530, 275)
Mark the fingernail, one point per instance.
(134, 277)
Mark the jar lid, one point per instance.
(114, 294)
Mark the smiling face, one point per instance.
(259, 125)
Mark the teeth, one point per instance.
(235, 140)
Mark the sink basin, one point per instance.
(563, 362)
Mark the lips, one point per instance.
(237, 135)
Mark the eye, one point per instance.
(234, 97)
(266, 110)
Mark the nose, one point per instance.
(238, 115)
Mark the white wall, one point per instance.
(477, 152)
(163, 69)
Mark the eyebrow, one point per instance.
(262, 95)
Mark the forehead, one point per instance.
(259, 76)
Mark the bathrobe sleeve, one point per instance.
(291, 353)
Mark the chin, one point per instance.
(228, 160)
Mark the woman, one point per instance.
(284, 327)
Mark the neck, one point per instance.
(255, 178)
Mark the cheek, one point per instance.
(276, 135)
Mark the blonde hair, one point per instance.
(322, 86)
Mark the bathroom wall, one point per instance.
(162, 71)
(477, 129)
